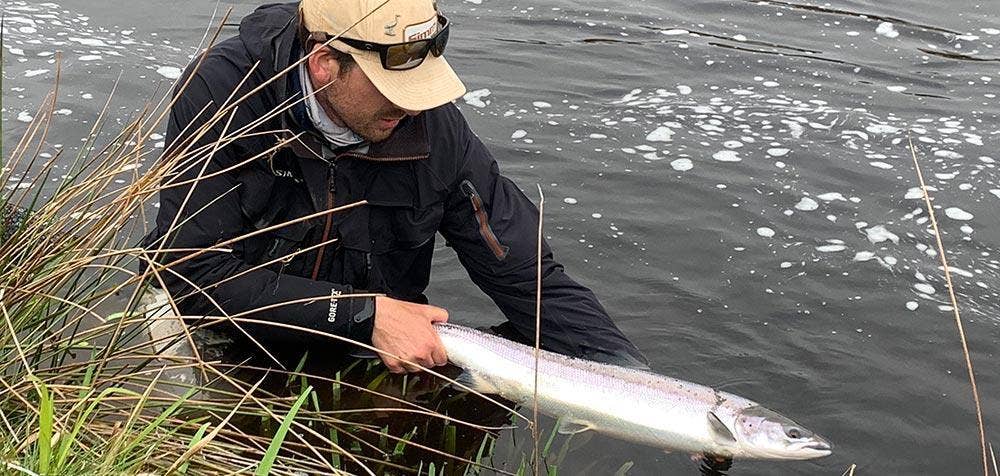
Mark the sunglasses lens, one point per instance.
(440, 41)
(407, 55)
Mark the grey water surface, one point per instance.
(732, 179)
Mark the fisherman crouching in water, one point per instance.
(377, 124)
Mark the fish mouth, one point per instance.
(815, 448)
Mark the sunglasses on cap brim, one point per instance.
(403, 56)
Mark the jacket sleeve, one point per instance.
(493, 227)
(212, 214)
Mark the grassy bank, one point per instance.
(85, 389)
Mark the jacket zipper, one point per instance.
(499, 251)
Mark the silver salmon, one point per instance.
(628, 404)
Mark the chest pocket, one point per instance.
(393, 234)
(267, 200)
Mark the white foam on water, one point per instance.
(541, 104)
(682, 165)
(732, 144)
(88, 41)
(947, 154)
(90, 57)
(477, 98)
(660, 134)
(915, 193)
(87, 96)
(878, 234)
(863, 256)
(596, 216)
(887, 30)
(675, 32)
(807, 204)
(956, 213)
(684, 89)
(959, 271)
(831, 196)
(995, 192)
(785, 265)
(595, 135)
(727, 156)
(830, 248)
(777, 152)
(880, 165)
(882, 129)
(990, 31)
(912, 305)
(24, 116)
(34, 72)
(169, 72)
(924, 288)
(765, 232)
(896, 89)
(570, 201)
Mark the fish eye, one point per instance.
(794, 433)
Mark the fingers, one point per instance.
(437, 314)
(440, 357)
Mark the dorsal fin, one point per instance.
(720, 430)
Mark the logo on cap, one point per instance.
(421, 31)
(390, 28)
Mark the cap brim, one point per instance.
(427, 86)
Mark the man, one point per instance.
(369, 116)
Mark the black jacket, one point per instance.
(432, 175)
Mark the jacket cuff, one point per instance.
(359, 316)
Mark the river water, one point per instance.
(732, 178)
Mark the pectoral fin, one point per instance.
(720, 430)
(572, 427)
(475, 382)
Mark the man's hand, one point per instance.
(404, 329)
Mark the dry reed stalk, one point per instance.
(954, 306)
(535, 434)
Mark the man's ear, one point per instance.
(323, 67)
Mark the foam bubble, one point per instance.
(682, 165)
(924, 288)
(830, 248)
(477, 98)
(169, 72)
(727, 156)
(765, 232)
(956, 213)
(887, 30)
(807, 204)
(660, 134)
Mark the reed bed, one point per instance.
(84, 388)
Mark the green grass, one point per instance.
(83, 391)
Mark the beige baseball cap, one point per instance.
(424, 87)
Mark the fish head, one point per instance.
(765, 434)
